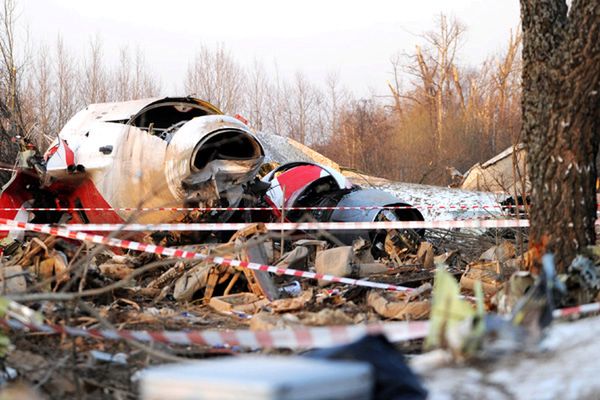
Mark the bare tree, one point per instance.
(216, 77)
(434, 66)
(12, 66)
(123, 85)
(258, 88)
(505, 80)
(561, 120)
(67, 79)
(144, 83)
(445, 42)
(131, 79)
(336, 98)
(94, 83)
(276, 99)
(305, 100)
(11, 69)
(43, 128)
(395, 86)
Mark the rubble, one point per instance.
(74, 288)
(131, 290)
(398, 306)
(12, 280)
(247, 303)
(292, 304)
(490, 274)
(338, 261)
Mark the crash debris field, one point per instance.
(160, 231)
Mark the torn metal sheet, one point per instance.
(145, 153)
(371, 197)
(502, 173)
(283, 150)
(291, 181)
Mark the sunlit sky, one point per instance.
(355, 39)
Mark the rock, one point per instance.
(265, 321)
(295, 259)
(337, 261)
(12, 280)
(446, 258)
(492, 276)
(116, 271)
(293, 304)
(397, 306)
(501, 253)
(425, 255)
(192, 281)
(247, 303)
(325, 317)
(54, 266)
(365, 270)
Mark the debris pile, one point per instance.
(91, 287)
(314, 260)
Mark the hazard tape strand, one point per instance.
(296, 338)
(293, 226)
(316, 208)
(178, 253)
(576, 310)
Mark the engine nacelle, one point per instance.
(211, 157)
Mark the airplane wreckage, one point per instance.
(111, 159)
(169, 160)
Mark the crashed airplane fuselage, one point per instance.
(148, 153)
(137, 161)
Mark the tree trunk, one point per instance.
(561, 117)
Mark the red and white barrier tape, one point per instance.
(293, 226)
(582, 309)
(341, 208)
(167, 251)
(297, 338)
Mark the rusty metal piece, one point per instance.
(492, 276)
(398, 306)
(211, 284)
(55, 266)
(425, 255)
(172, 273)
(251, 230)
(232, 282)
(34, 247)
(248, 303)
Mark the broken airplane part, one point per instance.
(146, 153)
(183, 152)
(305, 184)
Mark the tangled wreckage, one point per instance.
(180, 160)
(110, 160)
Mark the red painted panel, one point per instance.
(297, 178)
(89, 196)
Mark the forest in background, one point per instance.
(439, 114)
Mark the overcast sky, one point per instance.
(354, 38)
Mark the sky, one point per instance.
(354, 39)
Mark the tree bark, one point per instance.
(561, 117)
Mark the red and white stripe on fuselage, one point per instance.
(14, 196)
(85, 194)
(287, 185)
(60, 156)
